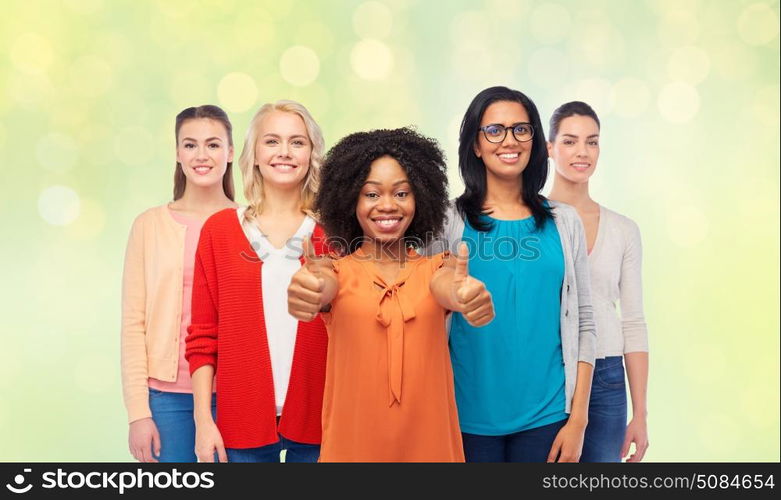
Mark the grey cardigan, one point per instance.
(578, 333)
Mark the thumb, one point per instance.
(554, 451)
(310, 257)
(221, 453)
(309, 249)
(462, 262)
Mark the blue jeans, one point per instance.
(172, 413)
(606, 412)
(295, 452)
(532, 445)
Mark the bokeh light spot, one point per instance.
(31, 53)
(237, 92)
(758, 24)
(372, 20)
(678, 102)
(299, 66)
(371, 59)
(58, 205)
(689, 64)
(56, 152)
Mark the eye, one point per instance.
(372, 196)
(568, 142)
(493, 130)
(270, 142)
(299, 142)
(522, 129)
(593, 143)
(214, 145)
(402, 194)
(188, 145)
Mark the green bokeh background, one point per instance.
(688, 94)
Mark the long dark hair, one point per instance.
(472, 168)
(211, 112)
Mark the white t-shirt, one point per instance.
(279, 266)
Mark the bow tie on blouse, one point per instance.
(394, 310)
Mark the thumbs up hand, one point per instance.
(306, 293)
(472, 299)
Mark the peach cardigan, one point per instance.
(151, 306)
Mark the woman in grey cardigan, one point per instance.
(615, 255)
(523, 381)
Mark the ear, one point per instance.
(230, 154)
(476, 148)
(550, 148)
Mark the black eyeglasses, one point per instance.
(496, 132)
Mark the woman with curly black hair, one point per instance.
(389, 393)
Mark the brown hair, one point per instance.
(212, 113)
(565, 111)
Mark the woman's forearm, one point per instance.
(202, 380)
(580, 399)
(637, 373)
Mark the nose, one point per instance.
(581, 150)
(284, 149)
(203, 152)
(386, 204)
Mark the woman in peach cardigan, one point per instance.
(157, 286)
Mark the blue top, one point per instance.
(509, 374)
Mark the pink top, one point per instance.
(183, 382)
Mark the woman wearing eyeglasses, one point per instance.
(523, 381)
(615, 255)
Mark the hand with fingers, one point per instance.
(305, 295)
(144, 440)
(637, 433)
(208, 442)
(474, 302)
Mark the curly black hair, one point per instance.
(346, 167)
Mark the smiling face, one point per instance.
(203, 149)
(386, 204)
(576, 148)
(283, 149)
(507, 159)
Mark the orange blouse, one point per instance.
(389, 383)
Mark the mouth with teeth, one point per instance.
(284, 167)
(387, 224)
(202, 169)
(509, 158)
(580, 166)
